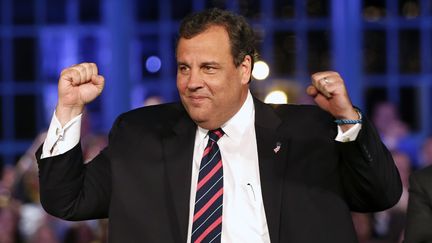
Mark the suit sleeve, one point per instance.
(370, 179)
(419, 214)
(72, 190)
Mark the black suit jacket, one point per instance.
(141, 181)
(419, 215)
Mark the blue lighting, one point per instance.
(153, 64)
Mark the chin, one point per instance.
(198, 118)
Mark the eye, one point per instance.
(209, 69)
(183, 69)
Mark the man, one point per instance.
(276, 174)
(419, 214)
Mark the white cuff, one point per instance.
(61, 139)
(350, 135)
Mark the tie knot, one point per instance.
(216, 134)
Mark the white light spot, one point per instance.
(276, 97)
(261, 70)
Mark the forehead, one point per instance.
(213, 41)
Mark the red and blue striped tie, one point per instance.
(207, 219)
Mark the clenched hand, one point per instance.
(78, 85)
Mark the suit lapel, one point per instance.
(178, 148)
(272, 154)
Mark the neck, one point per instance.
(214, 124)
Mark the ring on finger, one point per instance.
(326, 80)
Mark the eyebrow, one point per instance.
(182, 63)
(210, 64)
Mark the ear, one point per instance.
(246, 69)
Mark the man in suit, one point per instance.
(283, 173)
(419, 214)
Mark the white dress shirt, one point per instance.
(244, 217)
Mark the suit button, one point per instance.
(368, 155)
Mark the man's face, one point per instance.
(211, 87)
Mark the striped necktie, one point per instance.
(207, 219)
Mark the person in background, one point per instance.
(419, 214)
(396, 133)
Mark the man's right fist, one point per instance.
(78, 85)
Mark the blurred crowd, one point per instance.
(410, 152)
(22, 218)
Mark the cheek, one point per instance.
(233, 86)
(181, 84)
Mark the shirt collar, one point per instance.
(236, 126)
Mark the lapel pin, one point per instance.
(277, 148)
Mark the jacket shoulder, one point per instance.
(302, 112)
(153, 116)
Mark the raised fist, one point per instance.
(329, 92)
(78, 85)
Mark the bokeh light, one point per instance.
(261, 70)
(276, 97)
(153, 64)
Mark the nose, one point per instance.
(195, 80)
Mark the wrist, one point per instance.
(66, 113)
(351, 114)
(350, 119)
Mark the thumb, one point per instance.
(98, 81)
(312, 91)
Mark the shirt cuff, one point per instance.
(350, 135)
(60, 139)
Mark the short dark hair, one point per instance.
(241, 35)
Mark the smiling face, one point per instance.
(211, 87)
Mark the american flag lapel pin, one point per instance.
(277, 148)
